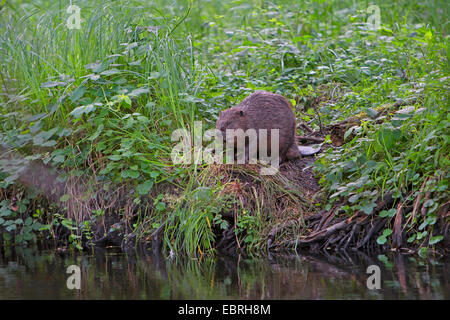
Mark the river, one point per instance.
(31, 273)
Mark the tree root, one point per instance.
(329, 230)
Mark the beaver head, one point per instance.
(233, 118)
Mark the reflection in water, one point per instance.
(27, 273)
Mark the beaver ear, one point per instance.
(241, 113)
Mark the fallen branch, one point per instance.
(375, 228)
(309, 138)
(318, 236)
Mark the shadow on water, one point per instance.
(30, 273)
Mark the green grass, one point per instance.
(101, 102)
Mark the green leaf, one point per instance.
(381, 240)
(11, 228)
(354, 198)
(28, 221)
(137, 92)
(77, 93)
(36, 226)
(96, 66)
(436, 239)
(420, 235)
(154, 174)
(428, 203)
(155, 75)
(110, 72)
(129, 174)
(65, 132)
(368, 208)
(387, 213)
(27, 236)
(68, 224)
(383, 258)
(160, 206)
(5, 212)
(79, 111)
(51, 84)
(59, 159)
(371, 112)
(45, 227)
(431, 220)
(144, 188)
(127, 100)
(93, 77)
(115, 157)
(64, 198)
(423, 225)
(423, 252)
(49, 143)
(156, 225)
(18, 238)
(348, 132)
(412, 238)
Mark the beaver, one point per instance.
(263, 110)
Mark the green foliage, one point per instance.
(405, 156)
(249, 226)
(25, 229)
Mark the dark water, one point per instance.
(27, 273)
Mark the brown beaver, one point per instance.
(263, 110)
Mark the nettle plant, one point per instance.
(406, 157)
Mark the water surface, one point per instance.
(28, 273)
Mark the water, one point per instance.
(28, 273)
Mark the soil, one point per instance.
(300, 173)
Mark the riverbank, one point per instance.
(284, 212)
